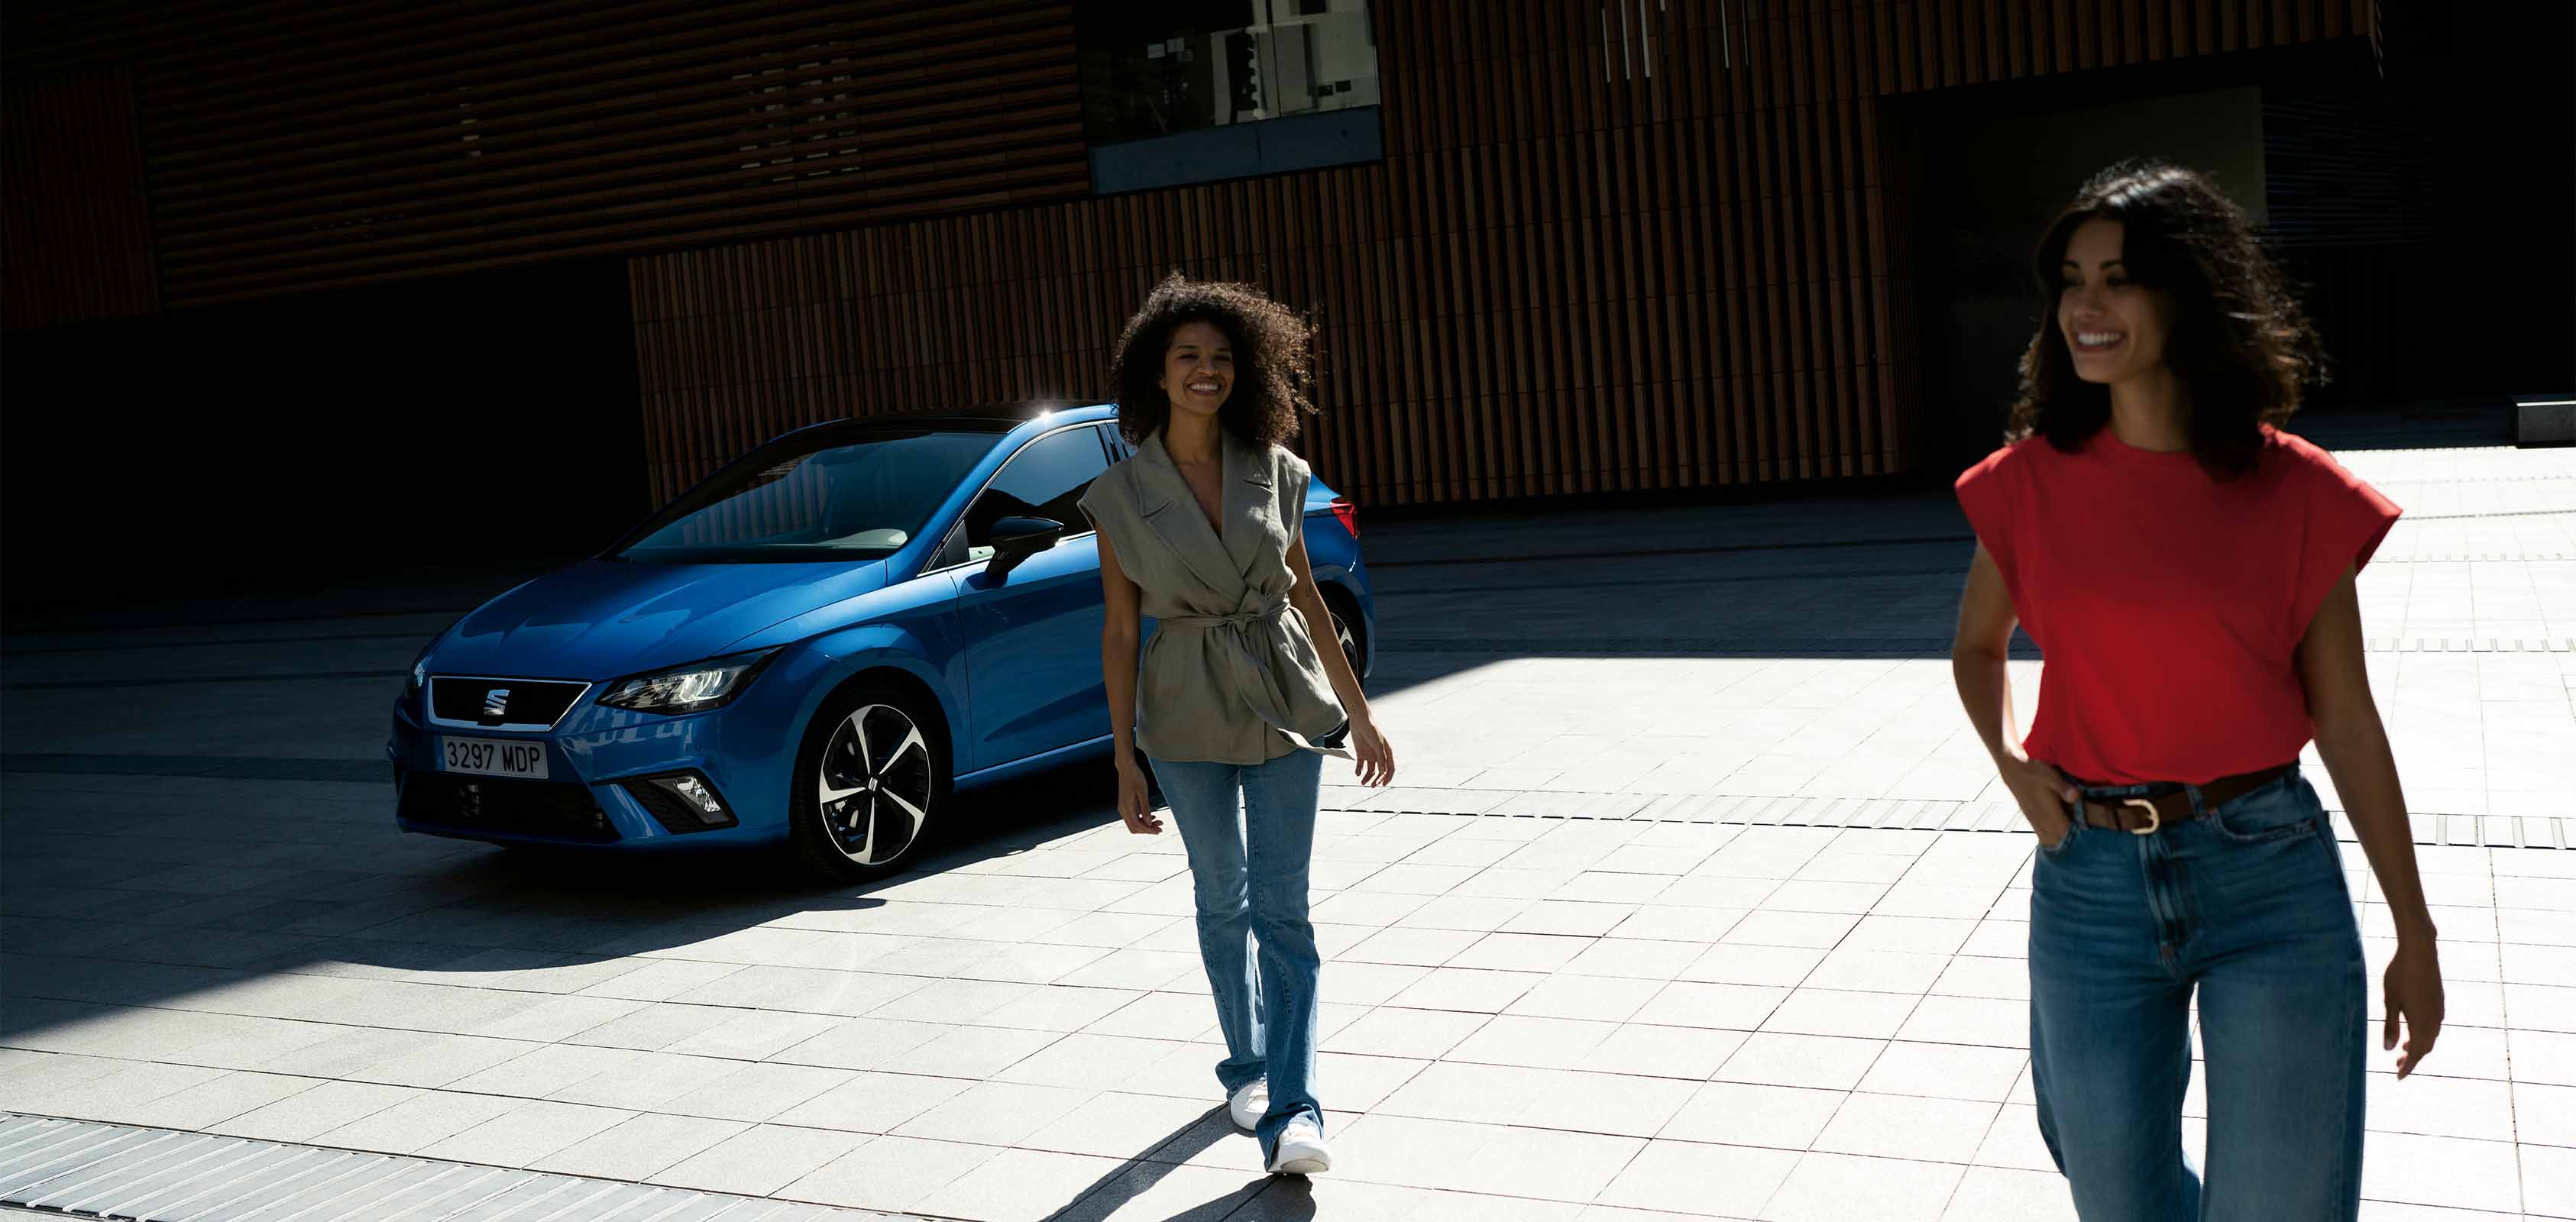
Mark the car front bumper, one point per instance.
(596, 760)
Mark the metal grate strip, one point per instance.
(82, 1169)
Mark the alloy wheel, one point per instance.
(1349, 641)
(875, 784)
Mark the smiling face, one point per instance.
(1198, 368)
(2114, 327)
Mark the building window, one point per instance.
(1194, 90)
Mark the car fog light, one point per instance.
(681, 802)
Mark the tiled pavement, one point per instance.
(1606, 993)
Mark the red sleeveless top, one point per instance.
(2169, 604)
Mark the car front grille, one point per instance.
(557, 809)
(460, 700)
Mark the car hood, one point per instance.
(601, 619)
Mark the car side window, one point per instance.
(1045, 479)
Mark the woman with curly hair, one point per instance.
(1239, 695)
(2188, 569)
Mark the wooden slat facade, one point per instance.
(1614, 245)
(293, 147)
(81, 247)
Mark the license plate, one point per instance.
(492, 757)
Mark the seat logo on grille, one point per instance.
(496, 702)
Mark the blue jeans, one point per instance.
(1250, 832)
(2248, 906)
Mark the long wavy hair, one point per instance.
(2235, 337)
(1274, 359)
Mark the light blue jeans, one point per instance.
(1250, 832)
(2247, 905)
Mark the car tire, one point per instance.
(871, 784)
(1349, 629)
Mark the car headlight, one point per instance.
(687, 689)
(419, 673)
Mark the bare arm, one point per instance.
(1980, 666)
(2355, 746)
(1376, 757)
(1119, 628)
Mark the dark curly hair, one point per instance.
(1274, 359)
(2236, 339)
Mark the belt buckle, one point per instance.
(2155, 817)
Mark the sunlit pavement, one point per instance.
(1696, 900)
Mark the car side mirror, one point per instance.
(1017, 539)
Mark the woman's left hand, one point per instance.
(2413, 989)
(1375, 756)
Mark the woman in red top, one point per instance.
(2187, 569)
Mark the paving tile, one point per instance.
(2441, 1107)
(1397, 1032)
(2549, 1181)
(1815, 1011)
(1112, 1124)
(2547, 1057)
(418, 1122)
(2014, 1141)
(1995, 1194)
(1680, 923)
(1548, 1164)
(1821, 930)
(1350, 1082)
(1097, 1062)
(1637, 958)
(1945, 1071)
(546, 1069)
(1991, 1022)
(2446, 1171)
(994, 1113)
(1740, 1007)
(1021, 1187)
(305, 1115)
(1564, 917)
(1745, 1114)
(213, 1102)
(1908, 1127)
(1618, 1104)
(1169, 1016)
(889, 1173)
(2542, 1114)
(972, 1052)
(526, 1133)
(1540, 1043)
(639, 1147)
(1601, 998)
(1734, 963)
(871, 1102)
(1880, 971)
(1485, 1094)
(1679, 1176)
(1822, 1062)
(1826, 1187)
(1688, 1053)
(1521, 952)
(757, 1092)
(861, 1043)
(1452, 988)
(1157, 1192)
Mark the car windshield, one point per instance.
(841, 495)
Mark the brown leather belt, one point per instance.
(2142, 809)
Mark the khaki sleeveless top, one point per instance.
(1231, 674)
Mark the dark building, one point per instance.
(369, 288)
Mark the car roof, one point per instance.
(992, 418)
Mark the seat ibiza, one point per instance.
(813, 650)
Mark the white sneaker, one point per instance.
(1250, 1104)
(1301, 1150)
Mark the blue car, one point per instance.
(813, 650)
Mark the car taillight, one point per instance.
(1349, 514)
